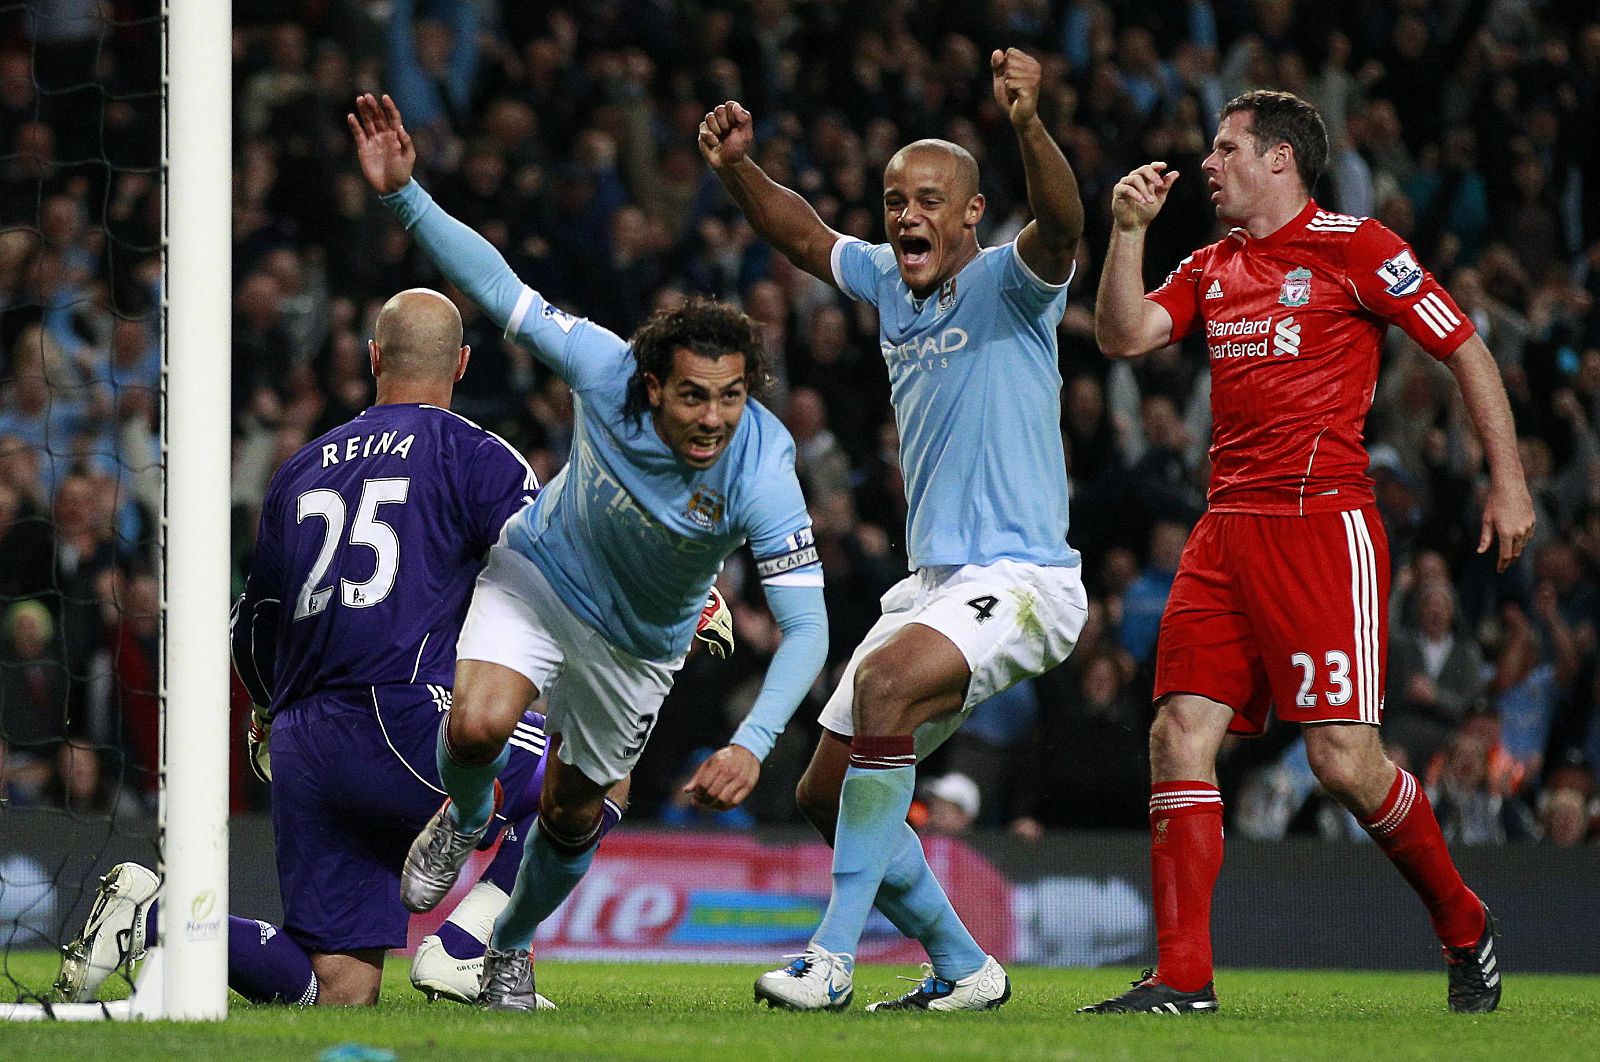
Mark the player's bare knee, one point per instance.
(1177, 750)
(818, 802)
(881, 701)
(474, 736)
(1338, 775)
(1334, 763)
(1349, 763)
(1161, 741)
(570, 822)
(346, 980)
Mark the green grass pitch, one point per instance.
(630, 1011)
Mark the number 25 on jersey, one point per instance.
(366, 530)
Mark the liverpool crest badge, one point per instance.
(1296, 290)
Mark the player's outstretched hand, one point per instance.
(1508, 516)
(725, 778)
(1016, 84)
(726, 134)
(382, 144)
(1139, 196)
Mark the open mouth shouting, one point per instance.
(915, 252)
(701, 449)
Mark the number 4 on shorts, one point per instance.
(983, 606)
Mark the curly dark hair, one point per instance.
(1284, 118)
(706, 327)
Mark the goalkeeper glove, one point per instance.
(715, 627)
(255, 743)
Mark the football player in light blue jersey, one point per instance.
(594, 590)
(968, 335)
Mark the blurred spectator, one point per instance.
(1451, 200)
(823, 467)
(1146, 597)
(131, 609)
(24, 546)
(33, 687)
(1435, 676)
(1569, 813)
(952, 802)
(988, 746)
(262, 347)
(1472, 809)
(1161, 484)
(433, 66)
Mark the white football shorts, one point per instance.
(1011, 620)
(602, 700)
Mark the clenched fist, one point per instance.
(1016, 84)
(726, 134)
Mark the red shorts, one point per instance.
(1285, 612)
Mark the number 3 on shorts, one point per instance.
(647, 723)
(1338, 678)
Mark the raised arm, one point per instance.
(388, 156)
(1508, 514)
(777, 214)
(1048, 243)
(1126, 324)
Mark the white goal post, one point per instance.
(196, 300)
(184, 976)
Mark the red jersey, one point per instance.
(1293, 323)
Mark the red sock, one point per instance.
(1405, 828)
(1185, 856)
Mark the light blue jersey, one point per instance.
(628, 534)
(976, 389)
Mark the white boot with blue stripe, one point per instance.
(816, 980)
(985, 989)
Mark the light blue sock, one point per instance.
(471, 789)
(912, 899)
(872, 810)
(549, 873)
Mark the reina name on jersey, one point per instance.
(357, 447)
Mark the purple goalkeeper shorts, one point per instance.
(353, 783)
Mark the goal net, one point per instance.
(114, 303)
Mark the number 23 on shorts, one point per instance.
(1336, 664)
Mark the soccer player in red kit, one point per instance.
(1281, 598)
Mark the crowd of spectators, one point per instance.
(80, 479)
(564, 132)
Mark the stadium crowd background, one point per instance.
(565, 133)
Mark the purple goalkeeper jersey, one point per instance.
(371, 539)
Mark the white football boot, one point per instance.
(816, 980)
(439, 975)
(113, 937)
(986, 989)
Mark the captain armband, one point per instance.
(785, 569)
